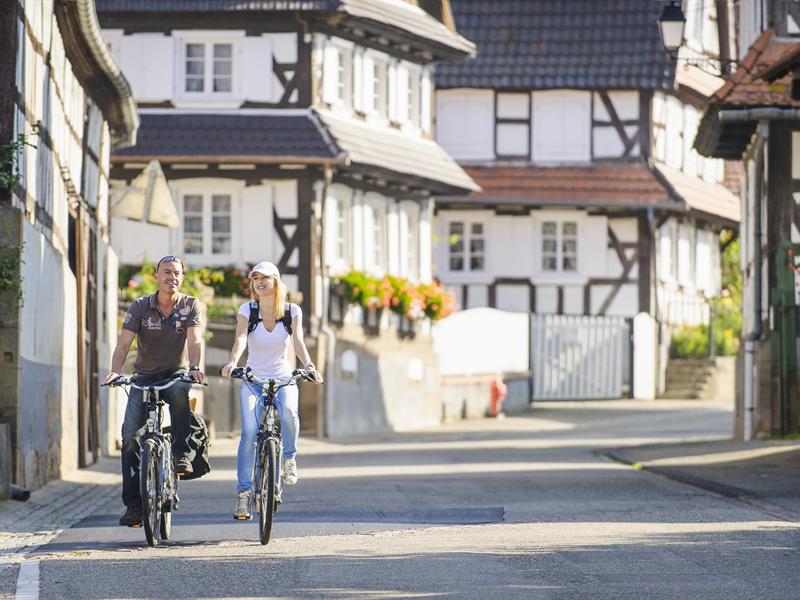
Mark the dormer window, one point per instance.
(208, 68)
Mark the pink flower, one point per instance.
(132, 283)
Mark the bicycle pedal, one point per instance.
(247, 518)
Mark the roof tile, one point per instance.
(540, 44)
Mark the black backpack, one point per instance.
(198, 442)
(255, 319)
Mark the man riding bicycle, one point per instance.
(168, 326)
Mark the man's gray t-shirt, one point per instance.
(162, 340)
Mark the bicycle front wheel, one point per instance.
(267, 488)
(149, 487)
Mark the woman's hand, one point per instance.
(226, 370)
(315, 375)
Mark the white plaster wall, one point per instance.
(153, 63)
(454, 108)
(606, 140)
(47, 425)
(546, 299)
(513, 298)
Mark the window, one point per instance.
(207, 224)
(344, 76)
(378, 237)
(208, 68)
(560, 246)
(411, 246)
(379, 87)
(413, 91)
(341, 229)
(467, 246)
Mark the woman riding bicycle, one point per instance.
(268, 355)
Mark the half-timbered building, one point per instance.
(578, 128)
(755, 117)
(297, 132)
(64, 97)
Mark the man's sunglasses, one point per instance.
(176, 259)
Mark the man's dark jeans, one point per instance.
(177, 397)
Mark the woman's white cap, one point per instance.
(265, 268)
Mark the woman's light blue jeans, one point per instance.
(286, 401)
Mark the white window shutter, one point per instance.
(426, 99)
(330, 73)
(358, 82)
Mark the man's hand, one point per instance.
(110, 377)
(198, 376)
(226, 370)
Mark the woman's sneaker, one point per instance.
(290, 471)
(242, 510)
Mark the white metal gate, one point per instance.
(579, 357)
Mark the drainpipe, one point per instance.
(752, 338)
(330, 337)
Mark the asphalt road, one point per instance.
(514, 508)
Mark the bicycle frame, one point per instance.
(159, 496)
(269, 447)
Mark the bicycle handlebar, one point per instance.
(248, 375)
(157, 386)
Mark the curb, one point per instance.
(709, 485)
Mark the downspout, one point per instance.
(330, 337)
(752, 338)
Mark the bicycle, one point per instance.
(265, 496)
(158, 484)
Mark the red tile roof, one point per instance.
(612, 184)
(619, 185)
(746, 88)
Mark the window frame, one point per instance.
(467, 253)
(375, 255)
(560, 236)
(207, 233)
(208, 40)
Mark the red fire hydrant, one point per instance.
(497, 391)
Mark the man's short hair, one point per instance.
(176, 259)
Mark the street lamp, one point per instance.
(670, 27)
(671, 24)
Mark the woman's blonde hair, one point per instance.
(278, 297)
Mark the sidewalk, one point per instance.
(57, 506)
(763, 473)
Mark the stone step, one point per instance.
(686, 380)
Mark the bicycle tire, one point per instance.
(149, 488)
(267, 489)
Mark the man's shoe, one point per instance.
(242, 510)
(183, 466)
(290, 471)
(132, 517)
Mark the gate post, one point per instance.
(644, 357)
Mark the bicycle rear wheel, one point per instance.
(150, 490)
(267, 488)
(168, 503)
